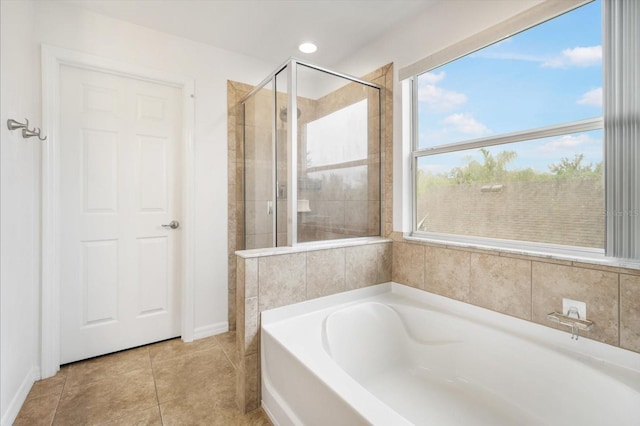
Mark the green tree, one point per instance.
(571, 169)
(492, 168)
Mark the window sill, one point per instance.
(583, 256)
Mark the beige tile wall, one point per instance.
(235, 209)
(271, 281)
(526, 287)
(260, 283)
(383, 76)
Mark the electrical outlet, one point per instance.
(580, 306)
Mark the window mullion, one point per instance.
(539, 133)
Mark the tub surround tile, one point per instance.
(282, 280)
(501, 284)
(240, 323)
(362, 266)
(231, 309)
(251, 325)
(598, 289)
(408, 264)
(38, 411)
(113, 397)
(446, 272)
(629, 312)
(248, 383)
(385, 261)
(240, 273)
(251, 277)
(252, 381)
(545, 259)
(240, 388)
(325, 272)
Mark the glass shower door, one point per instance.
(259, 194)
(282, 153)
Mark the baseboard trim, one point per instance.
(210, 330)
(20, 397)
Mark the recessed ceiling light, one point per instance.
(307, 47)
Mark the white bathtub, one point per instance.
(391, 355)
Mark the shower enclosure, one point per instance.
(311, 157)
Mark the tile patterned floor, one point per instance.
(167, 383)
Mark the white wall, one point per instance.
(441, 25)
(19, 208)
(72, 28)
(25, 25)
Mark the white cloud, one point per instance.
(568, 142)
(432, 77)
(465, 123)
(439, 99)
(436, 98)
(578, 56)
(592, 97)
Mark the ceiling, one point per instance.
(269, 30)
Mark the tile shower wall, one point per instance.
(526, 287)
(268, 282)
(363, 265)
(341, 209)
(382, 76)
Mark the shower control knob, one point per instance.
(174, 224)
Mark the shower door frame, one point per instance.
(291, 66)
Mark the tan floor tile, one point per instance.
(255, 418)
(216, 407)
(38, 411)
(100, 368)
(176, 348)
(150, 417)
(111, 398)
(51, 386)
(199, 372)
(227, 342)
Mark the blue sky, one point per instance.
(547, 75)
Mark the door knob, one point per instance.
(174, 224)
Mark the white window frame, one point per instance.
(521, 22)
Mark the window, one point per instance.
(508, 140)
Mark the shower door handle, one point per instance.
(269, 207)
(174, 224)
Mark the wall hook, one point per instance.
(26, 133)
(14, 125)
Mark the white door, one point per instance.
(119, 183)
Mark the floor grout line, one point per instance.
(64, 385)
(68, 387)
(235, 367)
(155, 386)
